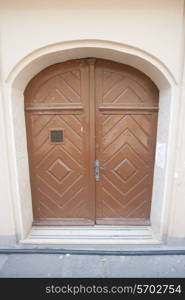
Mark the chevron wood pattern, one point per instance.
(125, 146)
(126, 156)
(106, 111)
(61, 184)
(62, 88)
(59, 171)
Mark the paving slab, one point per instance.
(145, 266)
(3, 259)
(71, 266)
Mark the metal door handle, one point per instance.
(97, 170)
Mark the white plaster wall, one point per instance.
(155, 27)
(7, 220)
(177, 225)
(6, 208)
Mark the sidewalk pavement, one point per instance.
(74, 266)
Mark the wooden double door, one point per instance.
(91, 131)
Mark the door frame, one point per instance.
(15, 128)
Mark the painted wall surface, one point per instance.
(6, 211)
(155, 27)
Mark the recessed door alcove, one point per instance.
(17, 81)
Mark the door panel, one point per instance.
(126, 121)
(59, 169)
(126, 158)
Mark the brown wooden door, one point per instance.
(83, 111)
(126, 121)
(57, 115)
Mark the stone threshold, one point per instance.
(114, 235)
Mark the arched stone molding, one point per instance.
(51, 54)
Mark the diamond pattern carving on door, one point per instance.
(127, 161)
(126, 129)
(125, 169)
(61, 186)
(59, 170)
(56, 99)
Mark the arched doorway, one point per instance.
(91, 131)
